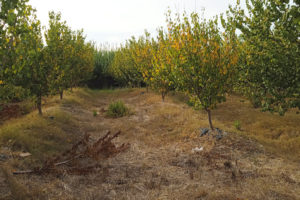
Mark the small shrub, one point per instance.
(117, 109)
(95, 113)
(237, 124)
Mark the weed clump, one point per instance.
(237, 125)
(117, 109)
(95, 113)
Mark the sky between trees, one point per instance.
(114, 21)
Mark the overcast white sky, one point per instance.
(114, 21)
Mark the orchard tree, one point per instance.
(270, 70)
(33, 73)
(142, 54)
(22, 51)
(115, 70)
(204, 59)
(124, 68)
(162, 78)
(11, 14)
(59, 52)
(81, 60)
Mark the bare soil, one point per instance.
(160, 163)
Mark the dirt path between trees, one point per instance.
(161, 163)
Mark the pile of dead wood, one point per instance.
(84, 157)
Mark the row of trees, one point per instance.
(270, 63)
(40, 68)
(256, 52)
(193, 55)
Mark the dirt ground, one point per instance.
(161, 163)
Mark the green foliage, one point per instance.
(203, 59)
(117, 109)
(11, 93)
(143, 56)
(237, 125)
(125, 68)
(13, 18)
(190, 103)
(58, 52)
(270, 65)
(103, 59)
(95, 113)
(68, 54)
(82, 60)
(27, 67)
(101, 78)
(22, 50)
(162, 78)
(193, 102)
(193, 56)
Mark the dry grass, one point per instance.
(41, 136)
(17, 191)
(160, 163)
(278, 134)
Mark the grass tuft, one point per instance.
(117, 109)
(95, 113)
(237, 125)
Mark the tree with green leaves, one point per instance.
(11, 14)
(141, 51)
(22, 51)
(270, 69)
(59, 51)
(204, 59)
(103, 58)
(81, 60)
(124, 68)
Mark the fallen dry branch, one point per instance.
(82, 158)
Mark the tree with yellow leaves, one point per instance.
(124, 68)
(142, 56)
(162, 78)
(204, 59)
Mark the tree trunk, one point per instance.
(39, 104)
(163, 94)
(61, 93)
(209, 119)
